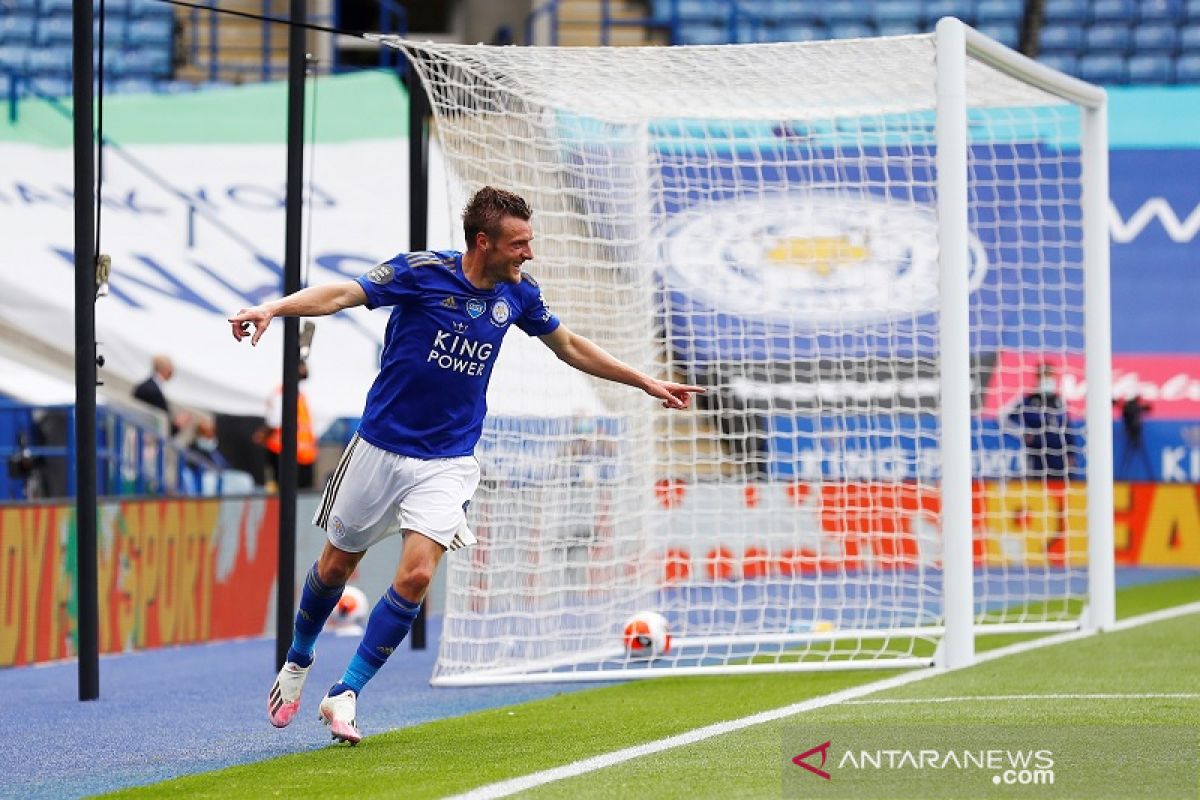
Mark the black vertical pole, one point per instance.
(86, 587)
(285, 603)
(418, 218)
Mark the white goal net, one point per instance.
(764, 220)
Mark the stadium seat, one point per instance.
(703, 11)
(1191, 11)
(1189, 39)
(1074, 12)
(1150, 68)
(1010, 11)
(897, 11)
(54, 7)
(51, 86)
(16, 29)
(146, 63)
(1160, 11)
(796, 11)
(936, 9)
(1187, 69)
(1060, 38)
(1006, 33)
(801, 32)
(1155, 37)
(13, 58)
(1063, 62)
(850, 30)
(1114, 11)
(53, 30)
(1102, 68)
(6, 81)
(151, 33)
(143, 9)
(900, 28)
(49, 61)
(1106, 38)
(845, 11)
(703, 32)
(26, 7)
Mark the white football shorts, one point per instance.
(374, 494)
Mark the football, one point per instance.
(646, 635)
(350, 614)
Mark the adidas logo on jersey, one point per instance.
(450, 303)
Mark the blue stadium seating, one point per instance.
(49, 60)
(1102, 68)
(897, 11)
(143, 9)
(1187, 69)
(797, 11)
(901, 28)
(1114, 11)
(936, 9)
(6, 81)
(1077, 12)
(1155, 37)
(703, 11)
(1006, 33)
(16, 28)
(1189, 39)
(1159, 11)
(801, 32)
(703, 32)
(1063, 62)
(999, 11)
(1191, 11)
(1107, 38)
(27, 7)
(50, 7)
(1061, 38)
(150, 33)
(850, 30)
(13, 58)
(53, 30)
(844, 11)
(1150, 68)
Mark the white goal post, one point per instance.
(886, 260)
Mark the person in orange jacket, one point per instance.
(271, 436)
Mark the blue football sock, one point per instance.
(317, 602)
(386, 628)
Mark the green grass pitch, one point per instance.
(455, 755)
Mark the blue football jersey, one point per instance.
(442, 339)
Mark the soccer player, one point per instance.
(410, 467)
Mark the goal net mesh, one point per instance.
(761, 220)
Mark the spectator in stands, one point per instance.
(1133, 411)
(271, 436)
(1040, 418)
(205, 446)
(150, 391)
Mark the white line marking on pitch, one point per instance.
(583, 766)
(897, 701)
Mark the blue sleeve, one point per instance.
(536, 318)
(389, 284)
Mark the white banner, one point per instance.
(196, 232)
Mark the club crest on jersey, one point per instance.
(500, 312)
(475, 308)
(450, 303)
(381, 274)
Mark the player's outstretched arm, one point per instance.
(586, 356)
(315, 301)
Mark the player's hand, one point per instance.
(673, 395)
(259, 316)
